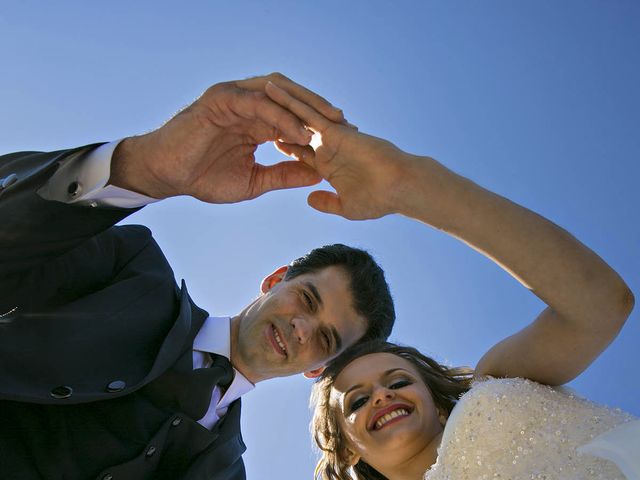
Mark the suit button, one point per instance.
(74, 189)
(61, 392)
(150, 451)
(8, 180)
(116, 386)
(176, 421)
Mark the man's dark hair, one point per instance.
(369, 289)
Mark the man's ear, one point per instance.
(272, 279)
(314, 373)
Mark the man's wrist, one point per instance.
(125, 167)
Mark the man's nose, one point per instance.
(382, 395)
(302, 329)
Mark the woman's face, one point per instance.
(385, 410)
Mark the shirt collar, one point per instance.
(215, 337)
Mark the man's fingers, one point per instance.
(297, 91)
(310, 98)
(256, 105)
(307, 114)
(305, 154)
(289, 174)
(326, 202)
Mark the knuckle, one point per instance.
(215, 91)
(251, 97)
(217, 88)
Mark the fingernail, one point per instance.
(306, 132)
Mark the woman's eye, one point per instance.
(399, 384)
(358, 403)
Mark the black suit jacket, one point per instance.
(96, 374)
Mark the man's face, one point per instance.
(296, 326)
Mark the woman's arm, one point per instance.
(587, 301)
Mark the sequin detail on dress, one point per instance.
(519, 429)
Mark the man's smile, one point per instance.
(276, 338)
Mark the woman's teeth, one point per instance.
(390, 416)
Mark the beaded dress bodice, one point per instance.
(519, 429)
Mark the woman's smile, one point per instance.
(390, 415)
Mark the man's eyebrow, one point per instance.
(336, 338)
(314, 291)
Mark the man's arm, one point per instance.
(206, 151)
(34, 229)
(587, 301)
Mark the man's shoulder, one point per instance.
(131, 241)
(132, 232)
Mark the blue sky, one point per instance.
(538, 101)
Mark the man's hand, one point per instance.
(207, 150)
(370, 175)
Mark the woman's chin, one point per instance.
(401, 437)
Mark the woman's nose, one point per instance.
(381, 395)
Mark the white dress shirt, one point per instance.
(215, 337)
(82, 180)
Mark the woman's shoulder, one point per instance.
(489, 393)
(492, 385)
(514, 425)
(517, 395)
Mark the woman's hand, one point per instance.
(370, 175)
(587, 301)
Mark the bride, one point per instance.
(384, 411)
(388, 411)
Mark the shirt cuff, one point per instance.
(82, 180)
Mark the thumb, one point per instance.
(283, 175)
(326, 202)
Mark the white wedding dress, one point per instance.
(519, 429)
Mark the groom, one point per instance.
(108, 370)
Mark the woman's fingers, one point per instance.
(307, 114)
(305, 154)
(351, 125)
